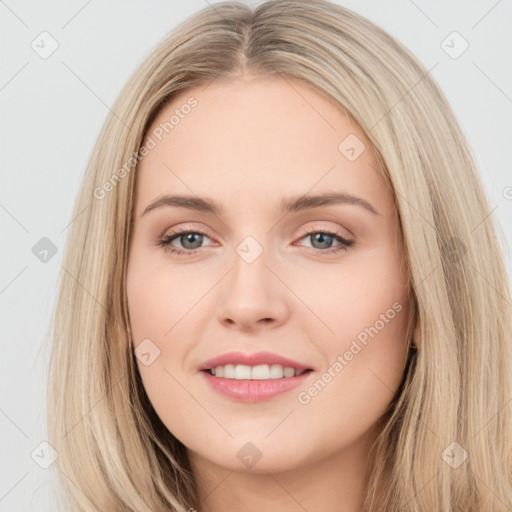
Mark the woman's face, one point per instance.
(264, 267)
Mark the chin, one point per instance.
(256, 457)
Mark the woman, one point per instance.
(277, 294)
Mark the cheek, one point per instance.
(152, 314)
(364, 294)
(152, 308)
(158, 299)
(161, 305)
(364, 315)
(363, 370)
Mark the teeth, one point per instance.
(242, 371)
(288, 372)
(260, 372)
(229, 371)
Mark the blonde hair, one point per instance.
(114, 452)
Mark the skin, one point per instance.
(247, 144)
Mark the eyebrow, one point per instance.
(288, 205)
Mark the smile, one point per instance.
(253, 377)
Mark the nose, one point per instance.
(253, 296)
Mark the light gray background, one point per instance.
(51, 113)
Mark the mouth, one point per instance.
(249, 384)
(253, 377)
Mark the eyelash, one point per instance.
(166, 240)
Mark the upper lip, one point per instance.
(252, 360)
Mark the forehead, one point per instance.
(265, 136)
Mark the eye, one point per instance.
(191, 241)
(322, 239)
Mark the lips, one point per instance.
(247, 389)
(251, 391)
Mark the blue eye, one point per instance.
(190, 237)
(324, 237)
(191, 241)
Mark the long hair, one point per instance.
(446, 443)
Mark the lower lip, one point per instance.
(253, 390)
